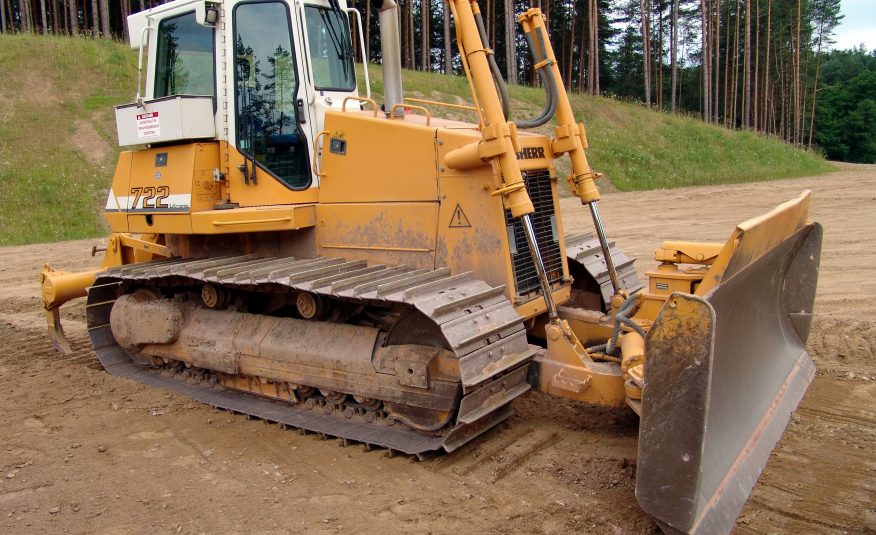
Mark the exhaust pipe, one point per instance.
(390, 52)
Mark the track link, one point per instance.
(584, 250)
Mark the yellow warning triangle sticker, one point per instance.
(458, 220)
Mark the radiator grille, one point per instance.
(538, 184)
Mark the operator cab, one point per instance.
(270, 69)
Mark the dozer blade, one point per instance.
(724, 371)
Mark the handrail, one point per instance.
(362, 50)
(439, 103)
(146, 29)
(315, 165)
(360, 99)
(411, 107)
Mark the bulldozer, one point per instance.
(285, 247)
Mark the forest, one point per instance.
(767, 66)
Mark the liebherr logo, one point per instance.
(530, 153)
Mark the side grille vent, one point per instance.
(538, 184)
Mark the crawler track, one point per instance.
(476, 320)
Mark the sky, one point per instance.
(858, 26)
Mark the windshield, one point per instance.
(331, 52)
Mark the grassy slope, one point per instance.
(58, 151)
(55, 94)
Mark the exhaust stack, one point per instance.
(390, 52)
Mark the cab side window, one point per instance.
(185, 54)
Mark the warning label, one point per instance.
(458, 219)
(148, 125)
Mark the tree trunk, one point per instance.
(43, 16)
(74, 17)
(510, 49)
(706, 62)
(426, 52)
(746, 74)
(412, 44)
(413, 38)
(755, 97)
(716, 72)
(581, 56)
(22, 16)
(673, 55)
(65, 13)
(105, 18)
(95, 18)
(367, 29)
(2, 17)
(22, 19)
(735, 74)
(448, 49)
(596, 53)
(766, 67)
(727, 80)
(798, 115)
(659, 56)
(681, 65)
(405, 44)
(591, 46)
(646, 49)
(570, 64)
(126, 10)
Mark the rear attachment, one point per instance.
(477, 326)
(724, 370)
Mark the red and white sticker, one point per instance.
(148, 125)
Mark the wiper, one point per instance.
(341, 49)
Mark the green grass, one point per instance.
(57, 95)
(52, 90)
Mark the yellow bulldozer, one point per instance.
(285, 247)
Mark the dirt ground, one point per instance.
(85, 452)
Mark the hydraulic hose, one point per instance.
(494, 68)
(621, 318)
(547, 79)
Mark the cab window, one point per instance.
(266, 85)
(331, 50)
(185, 56)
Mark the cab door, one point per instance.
(268, 119)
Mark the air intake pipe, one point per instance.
(390, 52)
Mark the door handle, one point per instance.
(301, 117)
